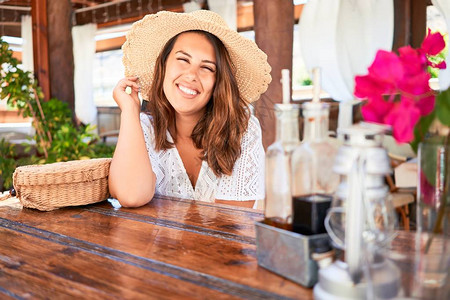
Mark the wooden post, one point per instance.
(418, 22)
(61, 51)
(40, 45)
(274, 34)
(410, 18)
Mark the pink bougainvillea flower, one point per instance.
(376, 110)
(403, 118)
(384, 74)
(426, 104)
(368, 87)
(416, 85)
(396, 88)
(413, 61)
(441, 65)
(387, 68)
(418, 91)
(433, 43)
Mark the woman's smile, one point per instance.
(187, 90)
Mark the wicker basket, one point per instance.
(51, 186)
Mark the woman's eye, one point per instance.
(208, 68)
(183, 59)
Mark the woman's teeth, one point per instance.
(187, 90)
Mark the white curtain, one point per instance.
(341, 37)
(227, 9)
(192, 5)
(27, 44)
(84, 52)
(444, 75)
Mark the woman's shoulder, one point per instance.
(253, 134)
(147, 126)
(253, 121)
(253, 125)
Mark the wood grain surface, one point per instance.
(167, 249)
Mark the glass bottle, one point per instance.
(314, 181)
(433, 215)
(278, 202)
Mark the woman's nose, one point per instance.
(192, 73)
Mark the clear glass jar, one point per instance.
(433, 214)
(278, 202)
(314, 181)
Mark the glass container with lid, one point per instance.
(314, 181)
(278, 202)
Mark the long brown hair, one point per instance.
(219, 131)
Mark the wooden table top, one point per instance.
(169, 248)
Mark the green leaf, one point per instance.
(421, 130)
(443, 107)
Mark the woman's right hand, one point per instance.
(127, 102)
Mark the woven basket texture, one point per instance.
(51, 186)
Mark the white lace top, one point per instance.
(245, 183)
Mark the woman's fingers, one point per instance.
(126, 93)
(127, 85)
(129, 81)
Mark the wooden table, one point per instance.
(170, 248)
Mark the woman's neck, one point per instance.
(185, 126)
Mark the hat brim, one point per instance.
(147, 37)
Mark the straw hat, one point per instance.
(147, 37)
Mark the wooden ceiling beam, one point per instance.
(110, 44)
(10, 19)
(130, 19)
(7, 15)
(115, 13)
(10, 29)
(85, 2)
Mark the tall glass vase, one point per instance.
(433, 211)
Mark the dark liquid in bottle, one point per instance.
(310, 212)
(278, 222)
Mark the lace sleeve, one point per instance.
(147, 130)
(149, 137)
(247, 180)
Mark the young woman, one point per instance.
(198, 140)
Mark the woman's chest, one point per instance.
(190, 158)
(172, 178)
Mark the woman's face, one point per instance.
(190, 74)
